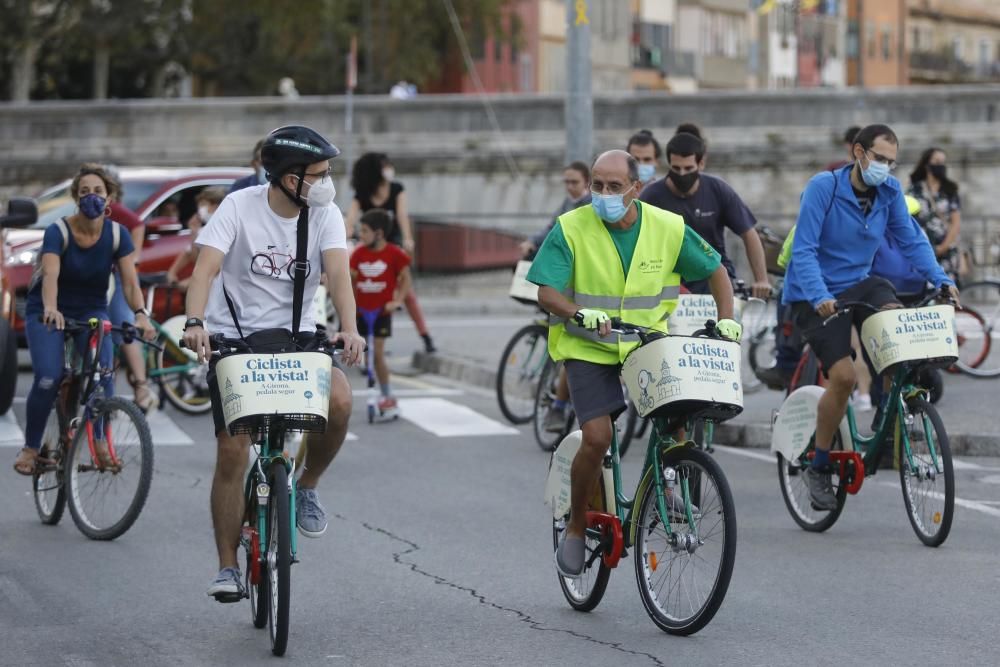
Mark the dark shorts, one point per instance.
(595, 389)
(383, 326)
(832, 343)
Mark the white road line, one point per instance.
(974, 505)
(10, 431)
(165, 430)
(412, 393)
(446, 419)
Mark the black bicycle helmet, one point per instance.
(293, 148)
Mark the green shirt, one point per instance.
(553, 265)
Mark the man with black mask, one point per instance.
(708, 205)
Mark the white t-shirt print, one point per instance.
(259, 247)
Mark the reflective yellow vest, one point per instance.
(645, 297)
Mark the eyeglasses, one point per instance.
(615, 188)
(320, 174)
(875, 157)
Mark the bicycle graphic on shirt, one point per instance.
(274, 262)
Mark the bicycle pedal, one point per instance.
(229, 598)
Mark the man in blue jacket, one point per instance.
(844, 216)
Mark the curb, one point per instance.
(753, 435)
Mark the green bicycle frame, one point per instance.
(871, 446)
(267, 454)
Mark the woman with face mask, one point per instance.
(375, 186)
(941, 209)
(71, 280)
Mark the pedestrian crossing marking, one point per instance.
(165, 431)
(446, 419)
(11, 434)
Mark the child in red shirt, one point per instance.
(381, 274)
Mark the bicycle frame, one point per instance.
(89, 368)
(269, 448)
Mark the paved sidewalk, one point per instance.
(471, 320)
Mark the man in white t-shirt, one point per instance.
(247, 253)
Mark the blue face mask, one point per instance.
(92, 205)
(610, 208)
(647, 172)
(875, 174)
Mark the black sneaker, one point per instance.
(820, 483)
(428, 344)
(775, 377)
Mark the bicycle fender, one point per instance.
(645, 483)
(795, 424)
(557, 484)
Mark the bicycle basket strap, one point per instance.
(299, 268)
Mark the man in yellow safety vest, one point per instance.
(616, 257)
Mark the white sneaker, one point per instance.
(862, 402)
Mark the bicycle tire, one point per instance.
(585, 592)
(266, 264)
(628, 434)
(983, 297)
(796, 494)
(544, 395)
(944, 516)
(972, 367)
(48, 483)
(84, 518)
(646, 561)
(259, 593)
(524, 415)
(8, 366)
(279, 540)
(174, 385)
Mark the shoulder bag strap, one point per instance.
(300, 268)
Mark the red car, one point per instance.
(163, 198)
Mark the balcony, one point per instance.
(679, 64)
(944, 67)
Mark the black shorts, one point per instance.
(595, 389)
(383, 326)
(832, 343)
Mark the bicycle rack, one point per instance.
(610, 527)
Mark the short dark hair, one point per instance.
(378, 219)
(580, 167)
(867, 136)
(684, 144)
(257, 148)
(213, 195)
(633, 168)
(689, 128)
(644, 138)
(850, 133)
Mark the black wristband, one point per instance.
(193, 322)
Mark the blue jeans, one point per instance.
(47, 350)
(119, 312)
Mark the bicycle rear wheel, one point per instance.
(683, 576)
(926, 474)
(259, 592)
(278, 557)
(974, 342)
(626, 426)
(105, 500)
(795, 492)
(48, 484)
(520, 367)
(585, 592)
(544, 397)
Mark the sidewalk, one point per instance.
(471, 320)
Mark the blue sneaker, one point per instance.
(228, 585)
(309, 514)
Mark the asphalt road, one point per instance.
(439, 553)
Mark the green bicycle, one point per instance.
(905, 341)
(681, 520)
(266, 396)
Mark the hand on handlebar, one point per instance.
(761, 290)
(354, 347)
(827, 308)
(730, 329)
(54, 319)
(197, 340)
(950, 292)
(592, 320)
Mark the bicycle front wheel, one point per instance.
(520, 367)
(683, 575)
(548, 437)
(105, 497)
(279, 557)
(257, 578)
(183, 381)
(926, 472)
(48, 484)
(795, 492)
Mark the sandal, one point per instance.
(144, 398)
(27, 460)
(104, 459)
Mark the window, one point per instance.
(516, 36)
(497, 49)
(852, 39)
(886, 43)
(915, 39)
(985, 57)
(956, 47)
(870, 38)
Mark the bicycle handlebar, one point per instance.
(844, 307)
(222, 346)
(129, 332)
(646, 334)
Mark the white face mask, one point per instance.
(389, 174)
(204, 213)
(321, 193)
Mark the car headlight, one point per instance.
(23, 257)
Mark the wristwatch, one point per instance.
(141, 311)
(193, 322)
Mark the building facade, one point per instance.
(876, 43)
(954, 41)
